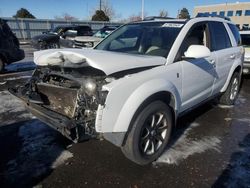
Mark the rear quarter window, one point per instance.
(245, 39)
(236, 34)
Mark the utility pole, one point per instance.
(142, 9)
(100, 4)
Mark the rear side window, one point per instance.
(235, 32)
(245, 39)
(219, 36)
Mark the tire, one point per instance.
(1, 65)
(230, 95)
(43, 46)
(150, 133)
(53, 45)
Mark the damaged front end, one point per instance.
(67, 99)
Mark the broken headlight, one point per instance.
(90, 87)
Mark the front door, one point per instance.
(198, 75)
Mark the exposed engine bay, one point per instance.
(67, 94)
(68, 89)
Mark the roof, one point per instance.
(176, 20)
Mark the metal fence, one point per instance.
(27, 28)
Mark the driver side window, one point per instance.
(198, 35)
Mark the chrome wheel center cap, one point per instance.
(153, 133)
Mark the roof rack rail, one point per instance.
(212, 15)
(156, 18)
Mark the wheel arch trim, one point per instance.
(136, 99)
(235, 67)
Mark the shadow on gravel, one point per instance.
(237, 173)
(30, 150)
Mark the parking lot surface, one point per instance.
(210, 148)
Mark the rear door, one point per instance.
(226, 54)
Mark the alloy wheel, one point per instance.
(234, 89)
(153, 133)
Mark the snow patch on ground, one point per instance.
(3, 83)
(184, 147)
(240, 100)
(228, 119)
(9, 103)
(39, 153)
(17, 78)
(65, 155)
(245, 120)
(12, 109)
(225, 106)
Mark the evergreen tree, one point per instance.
(184, 14)
(100, 16)
(23, 13)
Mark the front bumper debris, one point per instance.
(63, 123)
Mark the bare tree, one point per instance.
(66, 17)
(134, 18)
(163, 13)
(108, 9)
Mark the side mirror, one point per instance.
(197, 51)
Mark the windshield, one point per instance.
(149, 38)
(103, 33)
(56, 30)
(59, 29)
(99, 34)
(245, 38)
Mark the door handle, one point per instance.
(212, 62)
(232, 56)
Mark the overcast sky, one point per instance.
(82, 9)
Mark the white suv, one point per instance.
(133, 86)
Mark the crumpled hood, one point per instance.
(108, 62)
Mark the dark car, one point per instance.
(51, 39)
(9, 46)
